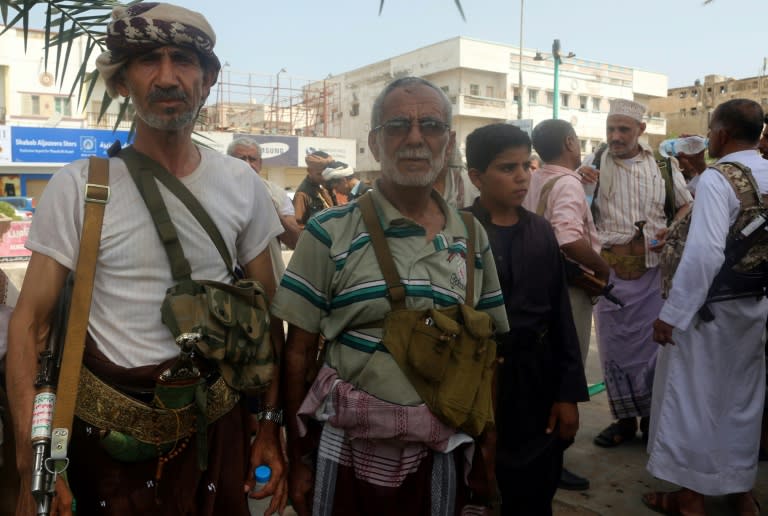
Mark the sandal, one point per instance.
(614, 435)
(666, 503)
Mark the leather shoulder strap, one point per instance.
(395, 287)
(469, 222)
(96, 198)
(544, 196)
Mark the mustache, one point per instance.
(159, 95)
(417, 153)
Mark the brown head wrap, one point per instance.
(143, 27)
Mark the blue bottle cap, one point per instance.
(262, 474)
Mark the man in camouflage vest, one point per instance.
(709, 386)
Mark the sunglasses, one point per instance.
(401, 127)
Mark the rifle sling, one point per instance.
(96, 198)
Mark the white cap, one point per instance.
(337, 170)
(627, 108)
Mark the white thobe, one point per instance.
(709, 388)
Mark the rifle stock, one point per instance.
(588, 282)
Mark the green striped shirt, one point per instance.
(333, 285)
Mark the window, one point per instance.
(516, 94)
(583, 100)
(682, 113)
(445, 89)
(595, 145)
(533, 96)
(694, 111)
(550, 98)
(683, 94)
(595, 103)
(723, 89)
(695, 93)
(355, 109)
(62, 105)
(565, 98)
(30, 104)
(583, 144)
(489, 91)
(474, 89)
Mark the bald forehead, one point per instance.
(413, 97)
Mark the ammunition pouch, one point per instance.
(134, 431)
(449, 356)
(230, 324)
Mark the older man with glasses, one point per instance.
(382, 449)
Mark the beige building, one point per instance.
(482, 80)
(688, 109)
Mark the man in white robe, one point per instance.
(709, 388)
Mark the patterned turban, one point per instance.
(143, 27)
(628, 108)
(318, 158)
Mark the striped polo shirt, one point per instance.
(334, 286)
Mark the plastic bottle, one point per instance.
(262, 474)
(688, 145)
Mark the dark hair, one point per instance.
(485, 143)
(549, 138)
(741, 118)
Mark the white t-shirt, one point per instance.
(133, 273)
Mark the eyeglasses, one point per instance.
(249, 159)
(400, 127)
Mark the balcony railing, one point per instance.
(474, 105)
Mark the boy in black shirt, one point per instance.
(541, 377)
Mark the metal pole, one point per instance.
(520, 66)
(556, 100)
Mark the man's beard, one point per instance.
(174, 119)
(391, 171)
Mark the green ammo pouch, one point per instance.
(228, 323)
(448, 354)
(233, 321)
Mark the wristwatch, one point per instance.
(274, 415)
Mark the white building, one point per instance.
(481, 79)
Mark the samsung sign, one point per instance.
(276, 150)
(50, 145)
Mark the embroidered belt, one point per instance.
(626, 266)
(105, 407)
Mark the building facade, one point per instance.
(482, 81)
(688, 109)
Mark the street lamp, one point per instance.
(520, 66)
(557, 58)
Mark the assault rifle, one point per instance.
(587, 281)
(730, 284)
(44, 470)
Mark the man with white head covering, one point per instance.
(343, 180)
(161, 56)
(633, 204)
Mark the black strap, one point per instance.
(138, 165)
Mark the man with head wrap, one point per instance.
(161, 56)
(634, 202)
(311, 195)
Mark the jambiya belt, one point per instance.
(104, 407)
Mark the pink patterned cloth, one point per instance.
(382, 441)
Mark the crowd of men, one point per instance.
(434, 357)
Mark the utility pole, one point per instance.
(520, 66)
